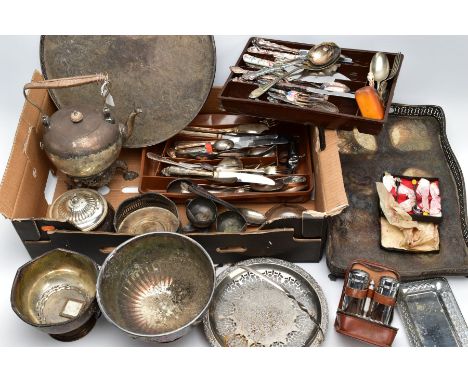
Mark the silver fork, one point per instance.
(297, 96)
(265, 170)
(311, 102)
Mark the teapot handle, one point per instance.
(61, 83)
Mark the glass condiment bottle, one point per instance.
(359, 280)
(388, 287)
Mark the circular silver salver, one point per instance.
(263, 302)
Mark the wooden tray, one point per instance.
(235, 95)
(153, 181)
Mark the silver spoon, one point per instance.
(319, 57)
(219, 145)
(232, 163)
(380, 68)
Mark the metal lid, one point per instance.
(388, 286)
(85, 208)
(358, 279)
(79, 130)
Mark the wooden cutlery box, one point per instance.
(235, 95)
(152, 180)
(28, 188)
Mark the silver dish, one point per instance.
(156, 286)
(56, 293)
(431, 315)
(248, 310)
(85, 208)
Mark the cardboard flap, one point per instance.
(330, 194)
(27, 168)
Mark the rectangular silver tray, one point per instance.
(430, 314)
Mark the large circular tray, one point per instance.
(247, 310)
(169, 77)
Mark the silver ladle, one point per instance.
(252, 217)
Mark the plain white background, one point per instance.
(423, 80)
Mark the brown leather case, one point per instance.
(361, 328)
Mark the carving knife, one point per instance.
(218, 174)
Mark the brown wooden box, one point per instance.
(23, 200)
(235, 96)
(153, 181)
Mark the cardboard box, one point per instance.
(23, 201)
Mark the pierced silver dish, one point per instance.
(266, 302)
(431, 315)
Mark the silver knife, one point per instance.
(239, 141)
(218, 174)
(319, 79)
(231, 136)
(330, 93)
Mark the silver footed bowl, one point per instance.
(56, 293)
(156, 286)
(266, 302)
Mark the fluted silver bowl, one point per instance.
(156, 286)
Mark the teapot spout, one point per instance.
(127, 130)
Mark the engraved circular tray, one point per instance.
(246, 310)
(169, 77)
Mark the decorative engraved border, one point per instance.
(274, 262)
(437, 112)
(441, 286)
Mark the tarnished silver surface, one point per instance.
(431, 315)
(143, 213)
(85, 208)
(248, 311)
(156, 286)
(56, 293)
(411, 136)
(149, 219)
(169, 77)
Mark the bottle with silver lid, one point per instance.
(388, 287)
(357, 279)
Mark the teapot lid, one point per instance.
(83, 207)
(81, 129)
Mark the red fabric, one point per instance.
(400, 198)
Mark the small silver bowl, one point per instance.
(156, 286)
(56, 293)
(149, 212)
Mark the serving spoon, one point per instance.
(319, 57)
(380, 68)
